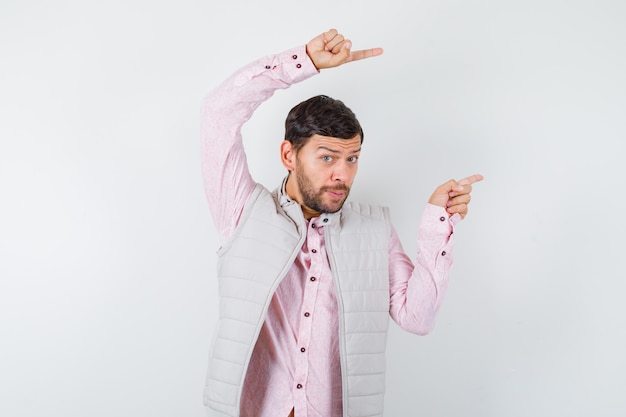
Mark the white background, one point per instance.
(107, 250)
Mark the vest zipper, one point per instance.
(342, 346)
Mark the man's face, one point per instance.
(324, 171)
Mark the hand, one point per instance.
(454, 196)
(331, 49)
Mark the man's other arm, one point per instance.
(416, 291)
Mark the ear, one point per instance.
(288, 155)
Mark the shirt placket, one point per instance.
(311, 286)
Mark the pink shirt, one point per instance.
(295, 363)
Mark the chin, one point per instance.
(333, 208)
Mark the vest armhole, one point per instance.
(245, 214)
(387, 217)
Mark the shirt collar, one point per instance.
(285, 201)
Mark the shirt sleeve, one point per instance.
(227, 180)
(416, 291)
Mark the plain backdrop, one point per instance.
(107, 250)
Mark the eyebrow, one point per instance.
(334, 150)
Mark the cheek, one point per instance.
(353, 173)
(316, 174)
(319, 172)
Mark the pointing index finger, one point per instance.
(365, 53)
(471, 179)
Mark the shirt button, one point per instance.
(442, 218)
(325, 220)
(267, 67)
(299, 386)
(294, 56)
(299, 66)
(443, 253)
(307, 314)
(313, 278)
(302, 349)
(313, 226)
(314, 250)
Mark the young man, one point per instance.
(307, 283)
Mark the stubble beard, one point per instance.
(314, 199)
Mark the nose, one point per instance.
(341, 172)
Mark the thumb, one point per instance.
(442, 194)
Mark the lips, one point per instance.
(336, 194)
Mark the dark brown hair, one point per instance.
(320, 115)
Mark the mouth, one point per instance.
(337, 195)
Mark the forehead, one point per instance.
(316, 142)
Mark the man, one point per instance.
(307, 283)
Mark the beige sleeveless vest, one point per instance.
(253, 263)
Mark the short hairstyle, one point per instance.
(320, 115)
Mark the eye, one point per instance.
(327, 158)
(353, 159)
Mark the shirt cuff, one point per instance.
(294, 64)
(436, 222)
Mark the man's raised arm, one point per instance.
(228, 182)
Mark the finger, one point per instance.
(334, 45)
(461, 199)
(329, 35)
(342, 48)
(365, 53)
(459, 208)
(448, 187)
(471, 179)
(460, 190)
(339, 58)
